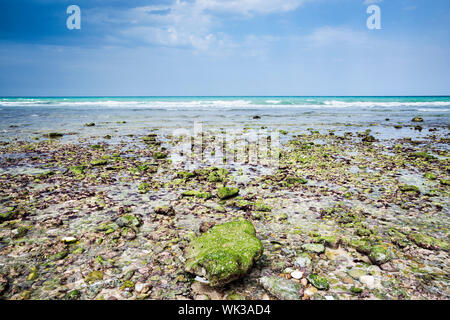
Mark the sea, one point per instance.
(30, 117)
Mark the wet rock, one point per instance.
(227, 193)
(314, 247)
(318, 281)
(165, 210)
(379, 255)
(282, 288)
(93, 277)
(417, 119)
(128, 220)
(303, 261)
(224, 253)
(427, 242)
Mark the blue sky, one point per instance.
(224, 47)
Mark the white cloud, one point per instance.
(187, 24)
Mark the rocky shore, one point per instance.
(345, 216)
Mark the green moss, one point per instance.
(197, 194)
(260, 206)
(224, 253)
(329, 241)
(93, 277)
(226, 193)
(294, 181)
(128, 220)
(314, 247)
(78, 170)
(127, 285)
(53, 135)
(445, 182)
(380, 254)
(409, 188)
(185, 174)
(219, 175)
(144, 187)
(59, 255)
(422, 155)
(430, 176)
(100, 162)
(72, 295)
(428, 242)
(160, 155)
(318, 281)
(356, 290)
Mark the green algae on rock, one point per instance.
(227, 193)
(197, 194)
(282, 288)
(379, 255)
(318, 281)
(165, 210)
(224, 253)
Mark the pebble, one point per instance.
(368, 281)
(296, 274)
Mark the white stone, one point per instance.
(296, 274)
(368, 281)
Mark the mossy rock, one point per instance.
(197, 194)
(185, 174)
(417, 119)
(128, 220)
(379, 255)
(219, 175)
(78, 170)
(318, 281)
(314, 247)
(409, 188)
(427, 242)
(53, 135)
(445, 182)
(282, 288)
(165, 210)
(294, 181)
(160, 155)
(330, 241)
(430, 176)
(100, 162)
(227, 193)
(224, 253)
(94, 276)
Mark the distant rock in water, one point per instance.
(224, 253)
(417, 119)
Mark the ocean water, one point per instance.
(24, 117)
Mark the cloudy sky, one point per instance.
(224, 47)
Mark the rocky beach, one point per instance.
(355, 210)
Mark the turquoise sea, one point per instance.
(25, 116)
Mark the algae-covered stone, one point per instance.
(318, 281)
(227, 193)
(128, 220)
(224, 253)
(409, 188)
(101, 162)
(93, 277)
(427, 242)
(282, 288)
(78, 170)
(417, 119)
(197, 194)
(165, 210)
(314, 247)
(379, 255)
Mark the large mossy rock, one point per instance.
(224, 253)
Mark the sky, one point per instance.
(224, 48)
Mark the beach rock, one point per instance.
(318, 281)
(165, 210)
(379, 255)
(417, 119)
(282, 288)
(128, 220)
(314, 247)
(297, 274)
(368, 281)
(227, 193)
(302, 261)
(224, 253)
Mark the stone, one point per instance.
(282, 288)
(296, 274)
(165, 210)
(314, 247)
(224, 253)
(227, 193)
(356, 273)
(417, 119)
(302, 261)
(318, 281)
(379, 255)
(368, 281)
